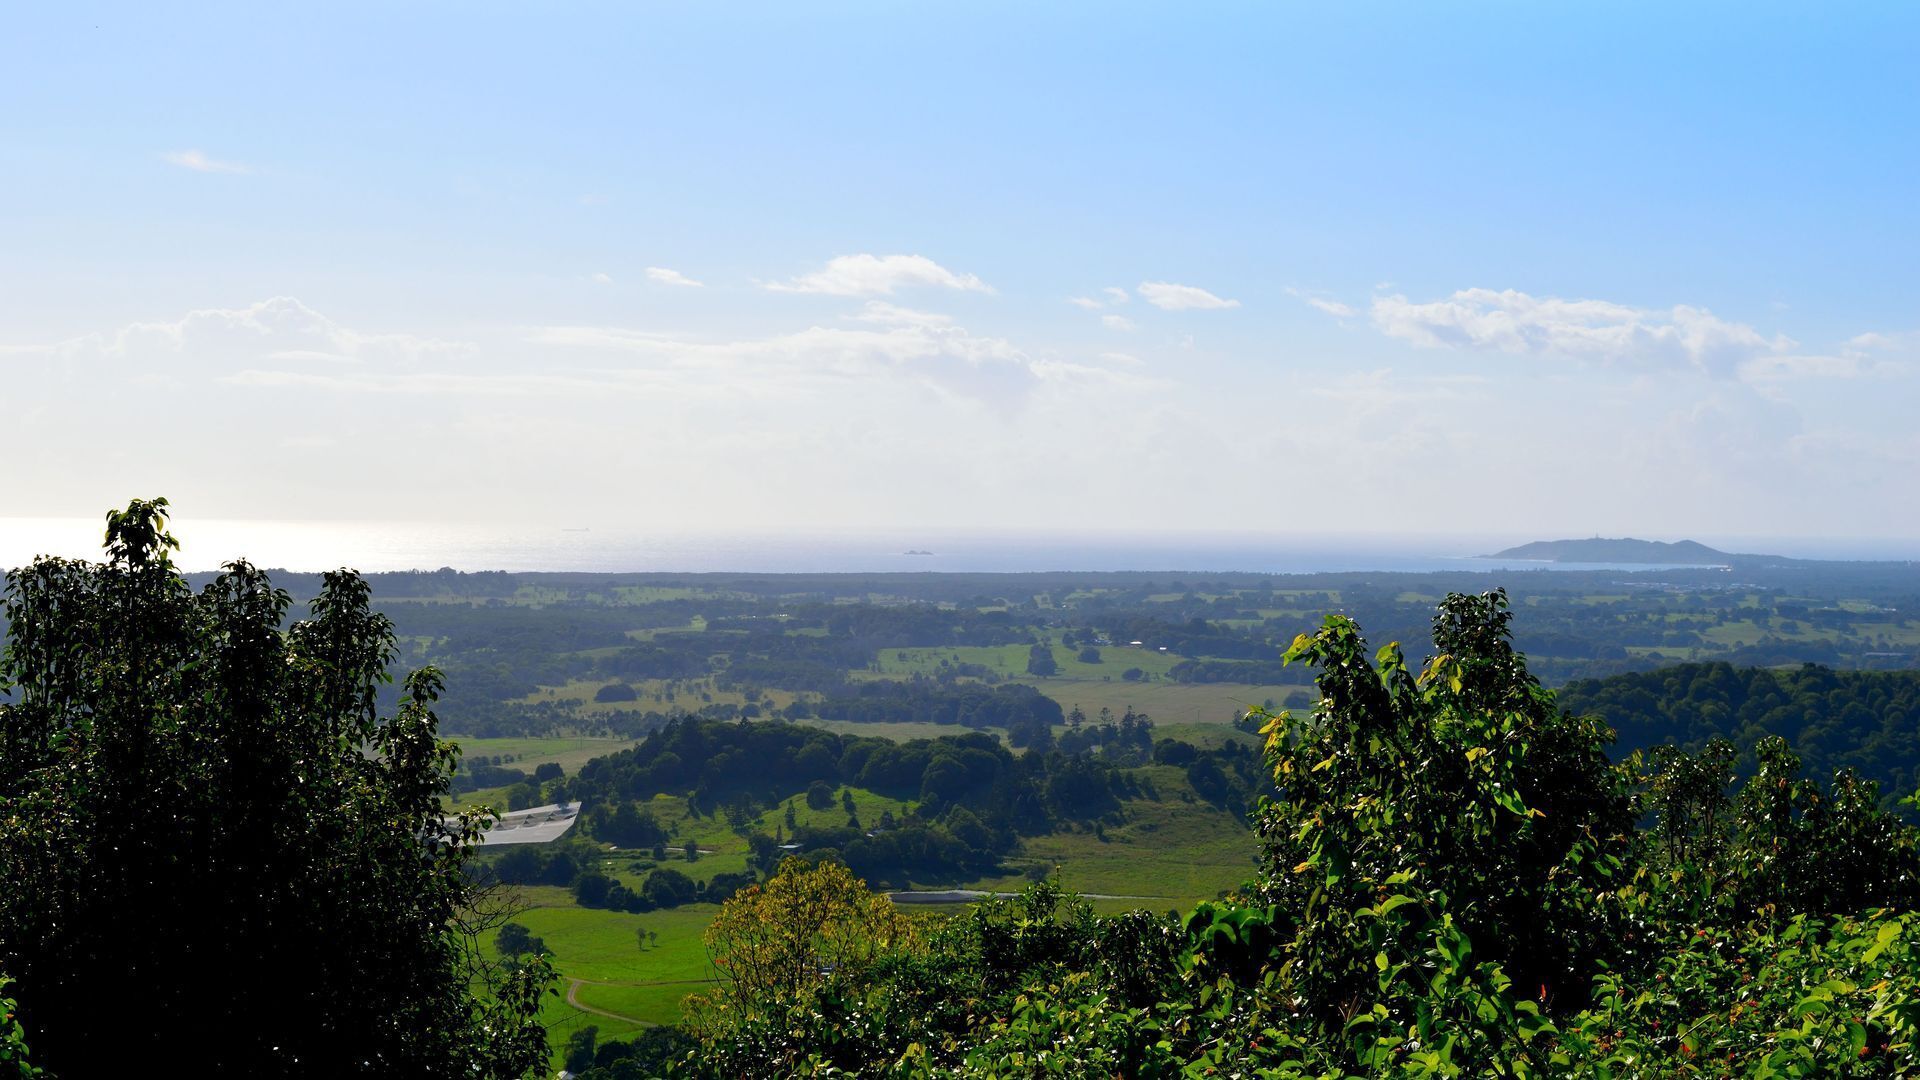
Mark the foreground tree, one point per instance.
(216, 850)
(1461, 787)
(803, 951)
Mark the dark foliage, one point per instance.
(1867, 721)
(196, 807)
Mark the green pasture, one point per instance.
(1209, 736)
(568, 751)
(1168, 851)
(1173, 850)
(868, 804)
(601, 948)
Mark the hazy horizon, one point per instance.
(1641, 270)
(373, 546)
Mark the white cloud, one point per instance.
(601, 279)
(263, 409)
(1087, 302)
(1168, 296)
(1334, 308)
(878, 275)
(1115, 294)
(199, 162)
(1515, 322)
(1118, 322)
(664, 276)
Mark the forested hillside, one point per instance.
(1867, 721)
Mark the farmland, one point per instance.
(548, 676)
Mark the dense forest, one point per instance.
(1866, 721)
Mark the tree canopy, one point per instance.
(215, 848)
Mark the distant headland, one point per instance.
(1623, 550)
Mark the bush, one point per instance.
(667, 888)
(616, 692)
(590, 889)
(819, 795)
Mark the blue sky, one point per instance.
(1540, 269)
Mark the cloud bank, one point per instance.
(1511, 321)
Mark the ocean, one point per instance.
(382, 546)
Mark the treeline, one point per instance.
(768, 762)
(1028, 715)
(1867, 721)
(568, 866)
(1195, 637)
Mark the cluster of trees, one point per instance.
(664, 887)
(199, 802)
(1455, 881)
(973, 798)
(481, 773)
(646, 1056)
(1126, 741)
(573, 866)
(1028, 715)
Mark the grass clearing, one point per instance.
(1167, 702)
(569, 752)
(602, 949)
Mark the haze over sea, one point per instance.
(384, 546)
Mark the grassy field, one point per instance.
(600, 949)
(569, 752)
(1169, 851)
(1168, 703)
(1092, 686)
